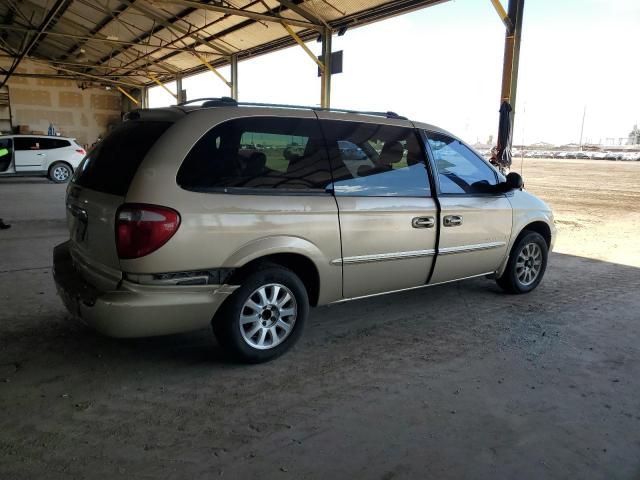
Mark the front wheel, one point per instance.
(60, 172)
(527, 264)
(264, 317)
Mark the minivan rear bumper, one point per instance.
(133, 310)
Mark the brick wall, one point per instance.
(83, 114)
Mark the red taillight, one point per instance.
(81, 151)
(142, 229)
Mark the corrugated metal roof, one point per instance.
(126, 40)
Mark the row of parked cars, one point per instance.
(585, 155)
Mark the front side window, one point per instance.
(262, 153)
(376, 160)
(5, 144)
(5, 153)
(460, 171)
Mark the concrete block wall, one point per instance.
(82, 114)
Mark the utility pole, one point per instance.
(584, 113)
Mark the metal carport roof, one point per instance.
(134, 41)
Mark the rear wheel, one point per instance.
(264, 317)
(60, 172)
(527, 264)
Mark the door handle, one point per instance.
(40, 154)
(423, 222)
(452, 220)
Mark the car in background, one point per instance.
(631, 156)
(354, 156)
(40, 155)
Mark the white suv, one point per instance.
(40, 155)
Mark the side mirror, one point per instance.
(514, 181)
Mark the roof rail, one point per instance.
(230, 102)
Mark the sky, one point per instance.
(443, 65)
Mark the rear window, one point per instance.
(111, 165)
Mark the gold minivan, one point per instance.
(242, 216)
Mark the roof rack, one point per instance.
(230, 102)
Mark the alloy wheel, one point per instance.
(61, 173)
(529, 264)
(268, 316)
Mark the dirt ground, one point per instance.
(456, 381)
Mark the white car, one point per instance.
(40, 155)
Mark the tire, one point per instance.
(260, 308)
(527, 264)
(60, 172)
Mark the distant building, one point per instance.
(634, 136)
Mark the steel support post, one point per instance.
(325, 73)
(180, 94)
(512, 53)
(144, 97)
(234, 76)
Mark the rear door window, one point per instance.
(28, 143)
(264, 154)
(111, 165)
(376, 160)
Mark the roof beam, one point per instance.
(307, 34)
(52, 24)
(95, 78)
(96, 29)
(315, 25)
(300, 42)
(357, 19)
(95, 39)
(302, 12)
(502, 13)
(139, 5)
(57, 7)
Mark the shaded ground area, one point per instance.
(456, 381)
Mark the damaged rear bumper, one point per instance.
(133, 310)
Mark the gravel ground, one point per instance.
(456, 381)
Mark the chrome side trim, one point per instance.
(409, 288)
(470, 248)
(381, 257)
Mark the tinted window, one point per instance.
(28, 143)
(258, 153)
(112, 164)
(376, 160)
(459, 169)
(51, 143)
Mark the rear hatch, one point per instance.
(98, 189)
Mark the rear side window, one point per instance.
(258, 153)
(52, 143)
(376, 160)
(112, 164)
